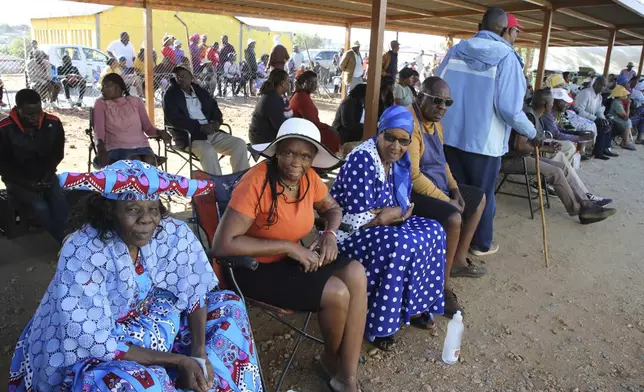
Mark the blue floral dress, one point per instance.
(404, 264)
(100, 303)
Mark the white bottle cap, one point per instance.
(458, 316)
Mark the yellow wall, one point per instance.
(115, 20)
(81, 30)
(78, 30)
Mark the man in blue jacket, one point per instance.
(485, 76)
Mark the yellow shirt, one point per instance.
(421, 183)
(139, 65)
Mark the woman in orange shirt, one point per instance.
(303, 107)
(270, 211)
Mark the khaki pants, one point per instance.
(560, 174)
(222, 143)
(568, 148)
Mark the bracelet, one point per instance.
(332, 232)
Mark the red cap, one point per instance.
(513, 22)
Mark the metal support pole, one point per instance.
(149, 60)
(347, 47)
(372, 101)
(609, 51)
(543, 49)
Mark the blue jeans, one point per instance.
(49, 206)
(479, 171)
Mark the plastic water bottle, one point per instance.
(452, 345)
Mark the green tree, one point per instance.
(15, 47)
(312, 41)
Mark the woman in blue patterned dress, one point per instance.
(130, 307)
(404, 255)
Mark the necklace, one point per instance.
(291, 188)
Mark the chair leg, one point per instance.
(89, 160)
(290, 358)
(527, 187)
(505, 177)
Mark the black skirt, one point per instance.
(285, 285)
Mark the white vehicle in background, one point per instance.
(89, 61)
(322, 56)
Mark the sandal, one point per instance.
(332, 389)
(424, 321)
(451, 304)
(387, 343)
(470, 271)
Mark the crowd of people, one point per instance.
(134, 302)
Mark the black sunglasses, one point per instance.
(404, 141)
(438, 100)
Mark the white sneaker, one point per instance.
(493, 249)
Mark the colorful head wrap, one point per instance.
(622, 80)
(399, 117)
(195, 37)
(134, 180)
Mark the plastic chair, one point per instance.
(207, 211)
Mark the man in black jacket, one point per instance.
(188, 106)
(32, 144)
(71, 78)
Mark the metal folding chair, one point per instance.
(528, 178)
(186, 154)
(207, 211)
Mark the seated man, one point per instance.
(186, 105)
(588, 104)
(558, 121)
(31, 147)
(41, 79)
(436, 195)
(558, 172)
(71, 78)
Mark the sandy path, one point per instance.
(578, 326)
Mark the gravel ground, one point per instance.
(577, 326)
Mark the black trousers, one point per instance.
(67, 85)
(604, 137)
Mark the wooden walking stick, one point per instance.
(543, 213)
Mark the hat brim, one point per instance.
(566, 98)
(324, 159)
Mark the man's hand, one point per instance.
(164, 135)
(455, 195)
(537, 141)
(208, 129)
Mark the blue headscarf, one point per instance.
(401, 118)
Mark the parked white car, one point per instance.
(322, 56)
(89, 61)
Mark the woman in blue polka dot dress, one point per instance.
(403, 255)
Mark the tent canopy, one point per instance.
(575, 22)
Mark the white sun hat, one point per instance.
(299, 128)
(559, 93)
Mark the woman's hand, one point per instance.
(165, 136)
(327, 246)
(102, 156)
(191, 375)
(308, 259)
(389, 216)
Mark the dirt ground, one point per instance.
(577, 326)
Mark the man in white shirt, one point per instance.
(420, 63)
(298, 58)
(123, 48)
(588, 104)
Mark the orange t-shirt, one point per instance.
(294, 219)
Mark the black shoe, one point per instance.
(595, 214)
(610, 153)
(602, 157)
(451, 304)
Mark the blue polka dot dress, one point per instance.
(404, 264)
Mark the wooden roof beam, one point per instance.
(307, 7)
(586, 18)
(541, 3)
(517, 7)
(632, 34)
(392, 7)
(463, 4)
(581, 3)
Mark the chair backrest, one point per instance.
(208, 209)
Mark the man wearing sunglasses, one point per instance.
(514, 28)
(436, 194)
(485, 76)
